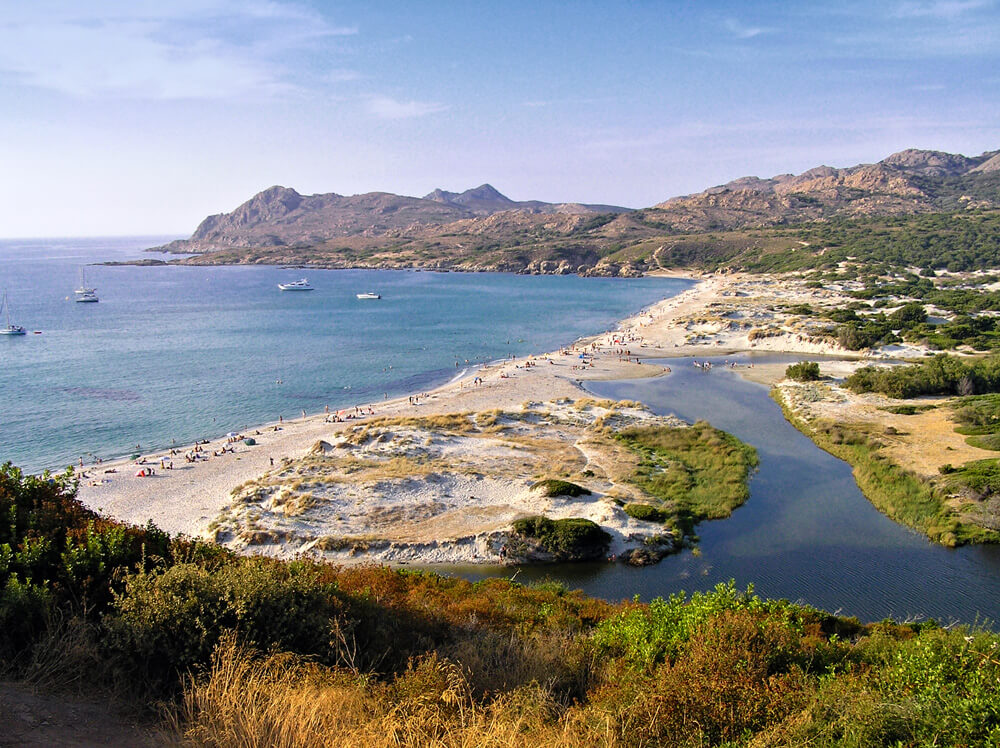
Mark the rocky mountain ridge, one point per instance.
(280, 216)
(482, 229)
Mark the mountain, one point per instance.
(911, 181)
(281, 217)
(482, 229)
(485, 200)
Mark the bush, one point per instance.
(168, 623)
(941, 375)
(804, 371)
(50, 539)
(551, 487)
(654, 633)
(572, 539)
(645, 513)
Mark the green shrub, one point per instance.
(571, 539)
(170, 622)
(646, 513)
(50, 539)
(952, 681)
(803, 371)
(552, 487)
(654, 633)
(941, 375)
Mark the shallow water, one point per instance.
(806, 533)
(184, 353)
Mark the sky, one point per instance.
(125, 117)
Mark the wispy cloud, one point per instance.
(385, 107)
(939, 8)
(742, 31)
(695, 134)
(196, 50)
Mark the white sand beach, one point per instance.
(722, 314)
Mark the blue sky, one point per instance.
(135, 117)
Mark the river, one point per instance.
(806, 533)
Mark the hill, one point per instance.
(748, 223)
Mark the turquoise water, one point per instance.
(184, 353)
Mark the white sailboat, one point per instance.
(10, 328)
(83, 292)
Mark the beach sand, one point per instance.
(722, 314)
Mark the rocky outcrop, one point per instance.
(906, 182)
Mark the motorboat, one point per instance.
(10, 328)
(369, 295)
(299, 285)
(84, 293)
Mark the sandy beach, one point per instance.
(193, 492)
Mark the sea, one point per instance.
(173, 354)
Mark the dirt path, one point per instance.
(32, 719)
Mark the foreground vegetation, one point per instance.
(252, 651)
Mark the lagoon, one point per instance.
(806, 533)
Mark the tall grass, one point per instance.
(696, 472)
(280, 701)
(897, 493)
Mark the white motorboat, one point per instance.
(10, 328)
(369, 295)
(299, 285)
(83, 292)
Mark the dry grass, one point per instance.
(281, 701)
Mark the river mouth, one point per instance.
(806, 534)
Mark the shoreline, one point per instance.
(189, 496)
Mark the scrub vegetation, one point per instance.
(901, 495)
(230, 650)
(804, 371)
(696, 472)
(942, 375)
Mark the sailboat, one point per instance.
(10, 329)
(83, 292)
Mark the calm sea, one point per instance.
(183, 353)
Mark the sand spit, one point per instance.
(462, 489)
(443, 489)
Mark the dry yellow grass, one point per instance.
(282, 702)
(928, 440)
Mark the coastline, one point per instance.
(191, 496)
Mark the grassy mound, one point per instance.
(552, 487)
(697, 472)
(645, 513)
(572, 539)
